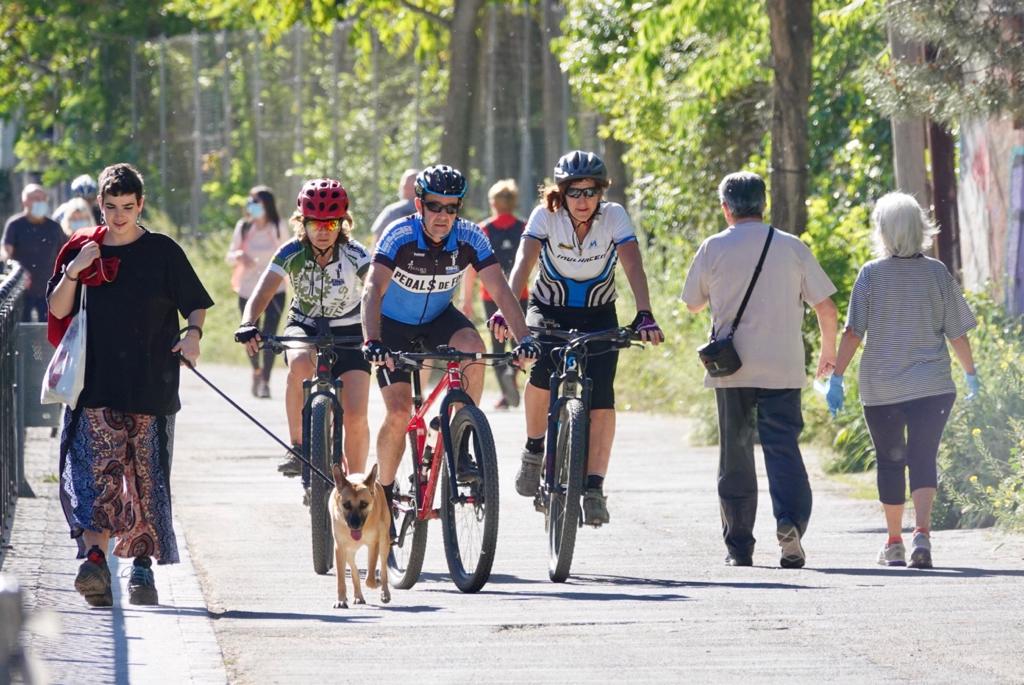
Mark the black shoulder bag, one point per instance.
(719, 354)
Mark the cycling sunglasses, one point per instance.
(437, 207)
(582, 192)
(331, 225)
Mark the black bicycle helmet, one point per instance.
(579, 164)
(441, 179)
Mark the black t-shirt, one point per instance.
(35, 248)
(133, 324)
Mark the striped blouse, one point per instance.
(905, 309)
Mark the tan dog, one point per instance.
(359, 518)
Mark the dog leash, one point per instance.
(252, 418)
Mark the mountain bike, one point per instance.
(567, 444)
(321, 430)
(455, 448)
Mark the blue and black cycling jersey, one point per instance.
(426, 277)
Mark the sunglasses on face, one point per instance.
(437, 207)
(331, 225)
(582, 192)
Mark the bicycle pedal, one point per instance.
(540, 504)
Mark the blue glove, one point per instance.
(973, 385)
(836, 394)
(528, 348)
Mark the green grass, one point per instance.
(207, 257)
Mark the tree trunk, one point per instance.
(613, 152)
(908, 133)
(464, 48)
(792, 41)
(554, 91)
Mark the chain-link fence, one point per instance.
(214, 114)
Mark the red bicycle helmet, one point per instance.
(322, 198)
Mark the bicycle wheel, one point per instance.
(320, 450)
(470, 523)
(405, 560)
(564, 500)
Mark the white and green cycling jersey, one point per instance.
(333, 291)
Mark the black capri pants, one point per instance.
(600, 368)
(906, 436)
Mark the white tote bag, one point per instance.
(65, 374)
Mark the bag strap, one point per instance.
(753, 280)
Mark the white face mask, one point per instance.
(39, 209)
(255, 210)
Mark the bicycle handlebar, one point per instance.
(449, 354)
(622, 336)
(279, 343)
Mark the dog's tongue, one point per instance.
(356, 534)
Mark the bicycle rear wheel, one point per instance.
(405, 560)
(564, 499)
(320, 451)
(470, 522)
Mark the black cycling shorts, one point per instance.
(347, 360)
(403, 337)
(600, 368)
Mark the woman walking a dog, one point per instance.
(116, 443)
(578, 236)
(326, 267)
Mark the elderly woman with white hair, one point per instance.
(906, 305)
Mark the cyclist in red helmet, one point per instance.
(326, 267)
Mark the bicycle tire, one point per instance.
(406, 561)
(320, 450)
(470, 530)
(564, 500)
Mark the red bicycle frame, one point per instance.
(427, 475)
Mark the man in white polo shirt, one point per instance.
(765, 392)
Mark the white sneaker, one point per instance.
(893, 554)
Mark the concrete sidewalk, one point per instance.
(649, 599)
(73, 643)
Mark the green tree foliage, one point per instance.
(686, 84)
(65, 78)
(976, 65)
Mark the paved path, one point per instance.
(649, 599)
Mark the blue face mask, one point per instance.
(255, 210)
(76, 224)
(39, 209)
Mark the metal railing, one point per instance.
(12, 289)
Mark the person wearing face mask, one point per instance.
(33, 239)
(82, 188)
(256, 239)
(77, 214)
(578, 237)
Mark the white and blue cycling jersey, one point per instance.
(574, 272)
(426, 277)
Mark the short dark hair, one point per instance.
(743, 193)
(121, 179)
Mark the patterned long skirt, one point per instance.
(115, 472)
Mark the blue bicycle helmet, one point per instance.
(578, 164)
(441, 179)
(83, 186)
